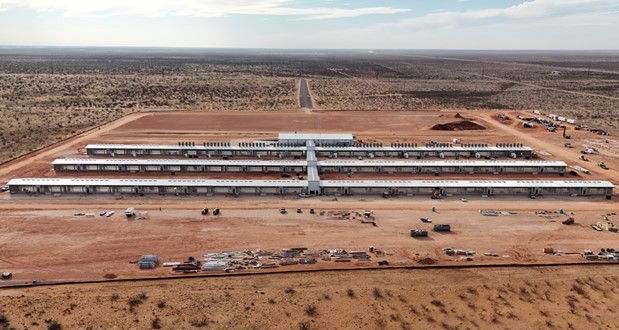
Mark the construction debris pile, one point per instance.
(605, 224)
(493, 213)
(259, 259)
(604, 254)
(458, 252)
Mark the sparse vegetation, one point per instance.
(437, 303)
(350, 293)
(201, 323)
(45, 98)
(377, 293)
(310, 310)
(54, 325)
(155, 323)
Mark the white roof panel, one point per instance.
(464, 163)
(461, 149)
(314, 136)
(312, 174)
(187, 162)
(156, 183)
(467, 183)
(177, 147)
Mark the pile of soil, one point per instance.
(463, 125)
(427, 261)
(458, 115)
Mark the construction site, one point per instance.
(328, 190)
(127, 202)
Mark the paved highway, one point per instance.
(304, 95)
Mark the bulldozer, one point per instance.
(205, 211)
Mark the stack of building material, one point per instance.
(214, 265)
(148, 261)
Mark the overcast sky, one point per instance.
(364, 24)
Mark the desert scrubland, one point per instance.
(46, 96)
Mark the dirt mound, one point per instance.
(458, 115)
(427, 261)
(462, 125)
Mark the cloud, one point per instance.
(534, 24)
(533, 10)
(194, 8)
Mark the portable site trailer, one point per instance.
(442, 227)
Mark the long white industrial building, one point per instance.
(326, 166)
(283, 187)
(305, 149)
(282, 150)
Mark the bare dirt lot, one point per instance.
(568, 297)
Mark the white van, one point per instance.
(130, 212)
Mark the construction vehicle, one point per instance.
(216, 212)
(129, 212)
(568, 145)
(425, 220)
(419, 233)
(565, 136)
(602, 165)
(442, 228)
(569, 221)
(582, 157)
(528, 125)
(205, 211)
(282, 210)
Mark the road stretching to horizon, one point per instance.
(304, 95)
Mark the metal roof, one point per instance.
(303, 183)
(156, 183)
(400, 149)
(467, 183)
(312, 174)
(177, 147)
(311, 156)
(464, 163)
(360, 163)
(282, 148)
(189, 162)
(314, 136)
